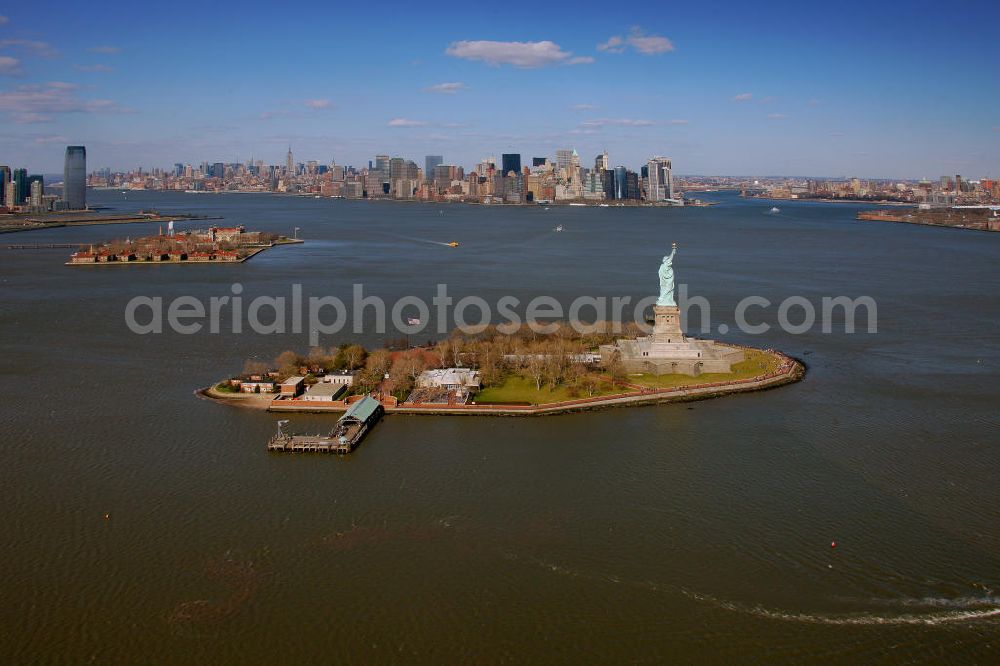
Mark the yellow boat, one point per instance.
(453, 244)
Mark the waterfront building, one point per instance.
(620, 186)
(486, 166)
(37, 193)
(563, 159)
(511, 162)
(538, 162)
(20, 182)
(632, 190)
(75, 178)
(601, 162)
(382, 163)
(659, 179)
(431, 161)
(4, 179)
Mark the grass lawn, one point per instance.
(519, 390)
(755, 363)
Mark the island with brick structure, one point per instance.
(212, 245)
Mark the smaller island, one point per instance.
(212, 245)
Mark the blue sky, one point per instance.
(869, 89)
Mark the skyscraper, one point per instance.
(290, 163)
(431, 161)
(601, 162)
(660, 182)
(37, 192)
(382, 163)
(620, 184)
(563, 159)
(511, 162)
(20, 189)
(4, 179)
(75, 178)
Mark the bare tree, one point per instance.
(252, 367)
(534, 368)
(378, 361)
(288, 363)
(615, 367)
(354, 355)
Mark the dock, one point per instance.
(343, 439)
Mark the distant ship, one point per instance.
(775, 210)
(559, 227)
(452, 244)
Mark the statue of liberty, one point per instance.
(666, 274)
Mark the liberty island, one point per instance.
(507, 374)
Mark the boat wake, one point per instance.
(967, 610)
(961, 609)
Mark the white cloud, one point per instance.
(649, 44)
(4, 20)
(526, 55)
(776, 116)
(447, 88)
(743, 97)
(93, 68)
(51, 139)
(319, 104)
(583, 107)
(106, 50)
(583, 131)
(678, 121)
(9, 66)
(38, 102)
(616, 122)
(406, 122)
(32, 46)
(614, 45)
(639, 41)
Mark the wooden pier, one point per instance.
(309, 444)
(345, 436)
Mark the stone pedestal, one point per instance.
(667, 324)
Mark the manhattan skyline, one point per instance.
(749, 90)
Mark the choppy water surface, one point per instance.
(678, 532)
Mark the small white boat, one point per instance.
(559, 227)
(775, 210)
